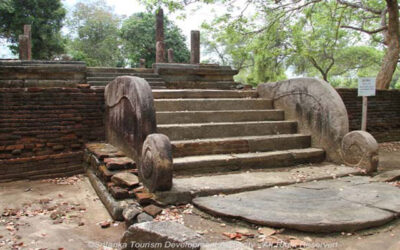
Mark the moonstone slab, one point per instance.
(346, 204)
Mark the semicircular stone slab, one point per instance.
(347, 204)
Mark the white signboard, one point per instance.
(366, 86)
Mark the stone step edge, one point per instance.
(223, 123)
(235, 138)
(182, 193)
(219, 111)
(246, 99)
(239, 144)
(228, 157)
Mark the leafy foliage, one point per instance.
(96, 40)
(138, 34)
(46, 18)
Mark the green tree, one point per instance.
(321, 47)
(379, 19)
(45, 16)
(138, 34)
(94, 35)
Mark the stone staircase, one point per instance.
(102, 76)
(223, 142)
(214, 131)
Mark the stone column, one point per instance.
(160, 54)
(170, 55)
(142, 63)
(160, 25)
(160, 47)
(28, 33)
(195, 47)
(23, 47)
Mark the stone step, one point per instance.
(226, 129)
(206, 84)
(240, 144)
(168, 117)
(211, 104)
(108, 74)
(186, 188)
(201, 93)
(119, 70)
(255, 160)
(104, 83)
(110, 78)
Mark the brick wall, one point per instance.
(383, 113)
(43, 130)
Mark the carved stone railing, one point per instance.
(131, 127)
(321, 113)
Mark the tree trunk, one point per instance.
(391, 57)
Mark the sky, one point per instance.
(195, 16)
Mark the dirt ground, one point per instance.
(66, 214)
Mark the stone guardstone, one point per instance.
(130, 114)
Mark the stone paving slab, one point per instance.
(184, 189)
(346, 204)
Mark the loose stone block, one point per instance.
(105, 174)
(125, 179)
(162, 234)
(119, 193)
(144, 198)
(144, 217)
(130, 215)
(152, 210)
(104, 150)
(118, 163)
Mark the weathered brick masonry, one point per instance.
(383, 113)
(43, 130)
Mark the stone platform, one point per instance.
(347, 204)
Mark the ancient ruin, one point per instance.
(285, 155)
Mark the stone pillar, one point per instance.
(160, 53)
(28, 33)
(160, 47)
(142, 63)
(195, 47)
(160, 25)
(23, 47)
(170, 55)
